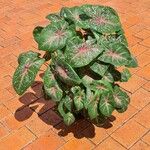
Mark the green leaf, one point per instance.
(110, 38)
(132, 62)
(51, 86)
(68, 103)
(120, 98)
(102, 19)
(86, 80)
(36, 33)
(69, 119)
(125, 75)
(65, 72)
(123, 109)
(72, 14)
(79, 97)
(108, 77)
(54, 36)
(93, 110)
(116, 54)
(93, 105)
(80, 53)
(101, 85)
(88, 97)
(99, 68)
(54, 17)
(105, 106)
(29, 65)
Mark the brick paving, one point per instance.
(29, 122)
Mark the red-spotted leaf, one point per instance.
(65, 72)
(105, 106)
(80, 53)
(54, 36)
(101, 19)
(29, 65)
(116, 54)
(51, 86)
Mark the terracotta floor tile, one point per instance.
(146, 138)
(144, 72)
(143, 34)
(17, 140)
(146, 42)
(140, 146)
(4, 112)
(77, 144)
(129, 133)
(120, 118)
(75, 130)
(110, 144)
(41, 105)
(3, 131)
(38, 126)
(50, 141)
(133, 40)
(143, 118)
(96, 135)
(5, 95)
(19, 119)
(140, 98)
(147, 86)
(143, 60)
(133, 84)
(138, 49)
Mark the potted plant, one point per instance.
(84, 46)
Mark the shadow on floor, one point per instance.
(49, 116)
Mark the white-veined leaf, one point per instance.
(105, 106)
(29, 65)
(51, 86)
(79, 53)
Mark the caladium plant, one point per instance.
(84, 46)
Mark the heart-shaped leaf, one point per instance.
(101, 85)
(132, 62)
(29, 65)
(80, 53)
(36, 33)
(72, 14)
(102, 19)
(125, 75)
(93, 106)
(121, 99)
(79, 97)
(69, 119)
(99, 67)
(51, 86)
(54, 36)
(65, 72)
(54, 17)
(116, 54)
(105, 106)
